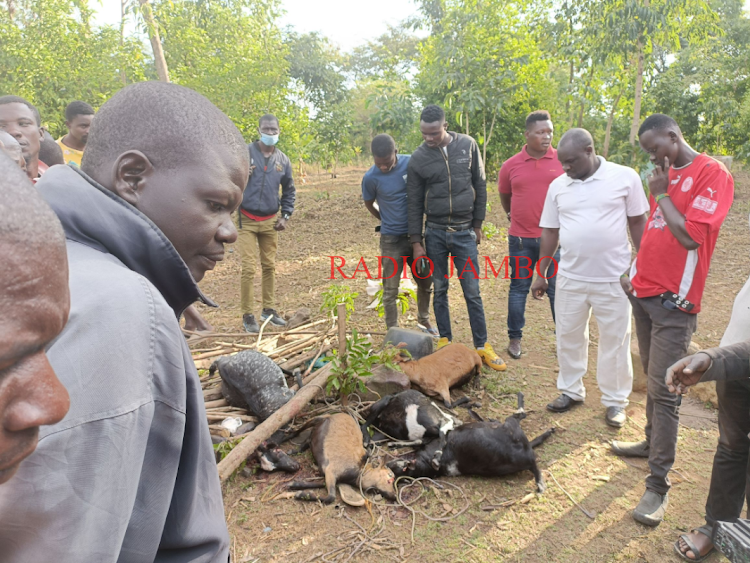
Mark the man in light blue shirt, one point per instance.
(385, 183)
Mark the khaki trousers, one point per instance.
(255, 236)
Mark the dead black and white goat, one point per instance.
(488, 448)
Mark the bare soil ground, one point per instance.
(331, 220)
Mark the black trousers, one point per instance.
(730, 471)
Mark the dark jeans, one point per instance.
(462, 245)
(730, 472)
(397, 247)
(527, 251)
(663, 338)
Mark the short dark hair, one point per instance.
(383, 146)
(50, 152)
(658, 121)
(20, 100)
(171, 124)
(538, 115)
(268, 117)
(432, 113)
(77, 108)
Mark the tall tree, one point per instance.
(153, 35)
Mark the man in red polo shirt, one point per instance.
(691, 194)
(523, 182)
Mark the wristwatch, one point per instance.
(285, 216)
(508, 215)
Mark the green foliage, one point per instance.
(388, 355)
(489, 230)
(347, 373)
(223, 448)
(402, 300)
(597, 64)
(336, 294)
(50, 55)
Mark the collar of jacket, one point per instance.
(94, 216)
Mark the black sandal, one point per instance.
(691, 546)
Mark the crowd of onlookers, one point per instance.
(105, 452)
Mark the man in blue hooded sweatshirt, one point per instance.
(129, 474)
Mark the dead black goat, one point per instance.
(488, 448)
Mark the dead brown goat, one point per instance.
(451, 366)
(336, 443)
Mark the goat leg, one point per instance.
(304, 485)
(520, 412)
(411, 444)
(539, 440)
(298, 378)
(541, 486)
(458, 402)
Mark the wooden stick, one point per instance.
(265, 429)
(217, 403)
(342, 330)
(222, 416)
(207, 355)
(260, 333)
(302, 358)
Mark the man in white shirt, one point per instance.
(588, 211)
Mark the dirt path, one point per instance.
(331, 220)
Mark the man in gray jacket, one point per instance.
(258, 221)
(129, 474)
(446, 182)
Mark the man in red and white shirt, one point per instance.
(523, 183)
(691, 194)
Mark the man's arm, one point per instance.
(547, 248)
(415, 188)
(637, 225)
(371, 208)
(479, 181)
(288, 191)
(726, 363)
(658, 184)
(505, 202)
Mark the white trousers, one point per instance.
(574, 302)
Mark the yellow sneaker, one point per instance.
(490, 359)
(443, 342)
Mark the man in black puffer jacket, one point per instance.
(446, 182)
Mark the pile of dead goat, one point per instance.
(361, 449)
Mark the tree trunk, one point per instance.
(610, 119)
(467, 122)
(153, 35)
(123, 6)
(638, 93)
(11, 8)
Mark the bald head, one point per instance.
(170, 124)
(174, 156)
(577, 155)
(577, 139)
(35, 302)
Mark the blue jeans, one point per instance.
(462, 245)
(527, 251)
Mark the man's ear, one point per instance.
(673, 137)
(131, 172)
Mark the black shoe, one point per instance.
(250, 324)
(630, 449)
(616, 417)
(276, 320)
(514, 348)
(650, 511)
(563, 404)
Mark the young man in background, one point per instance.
(78, 118)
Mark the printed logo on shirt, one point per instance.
(687, 184)
(279, 168)
(462, 160)
(704, 204)
(676, 180)
(404, 177)
(658, 222)
(711, 192)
